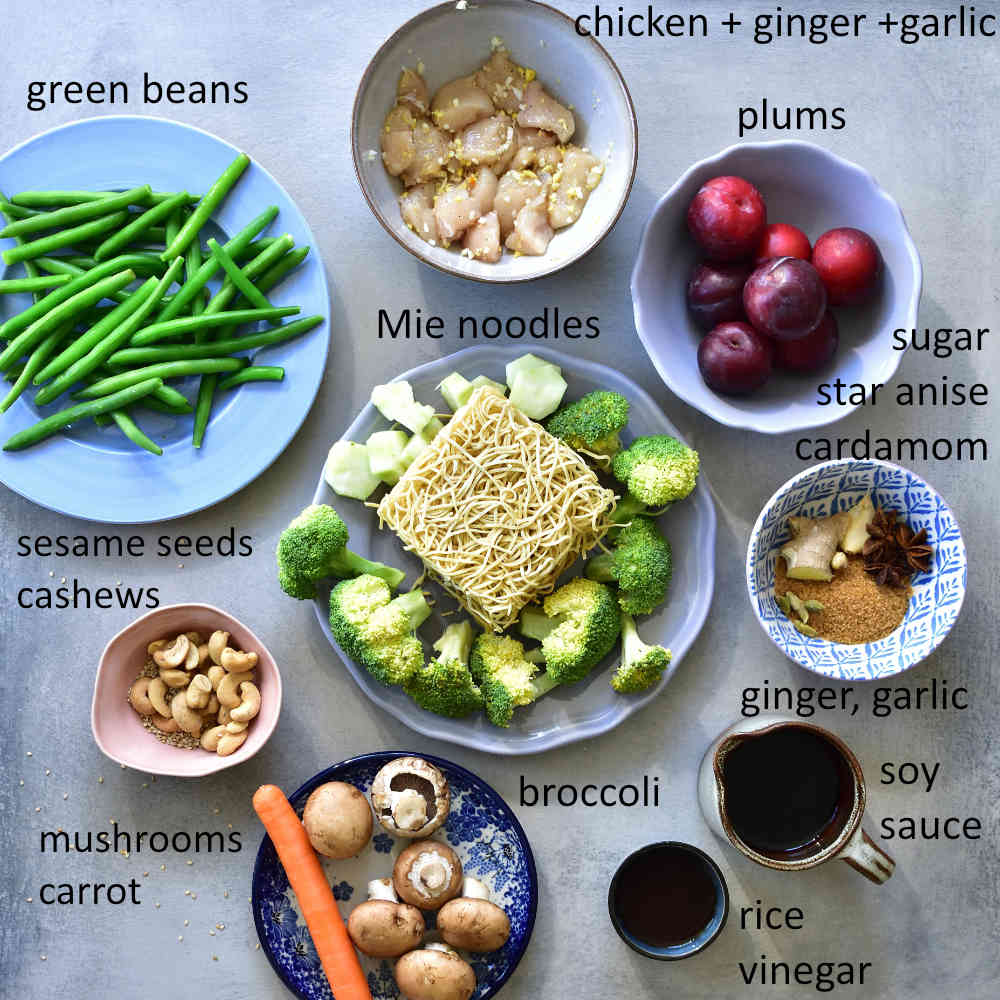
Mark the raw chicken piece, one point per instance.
(482, 239)
(515, 190)
(530, 142)
(398, 150)
(411, 90)
(581, 172)
(417, 209)
(430, 154)
(461, 204)
(460, 103)
(539, 109)
(486, 142)
(504, 81)
(532, 231)
(549, 159)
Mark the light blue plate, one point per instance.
(95, 473)
(578, 711)
(481, 829)
(937, 595)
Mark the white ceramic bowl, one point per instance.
(809, 187)
(937, 595)
(450, 43)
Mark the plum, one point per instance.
(735, 359)
(785, 298)
(849, 262)
(782, 240)
(811, 352)
(727, 218)
(715, 293)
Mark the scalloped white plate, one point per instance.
(579, 711)
(816, 190)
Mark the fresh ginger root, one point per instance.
(859, 517)
(807, 556)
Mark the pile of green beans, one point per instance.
(127, 296)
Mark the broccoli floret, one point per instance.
(592, 423)
(506, 676)
(312, 548)
(657, 469)
(376, 631)
(642, 665)
(640, 564)
(577, 630)
(446, 687)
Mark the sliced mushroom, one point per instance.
(427, 874)
(411, 797)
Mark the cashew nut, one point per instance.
(199, 692)
(157, 644)
(236, 727)
(194, 638)
(156, 691)
(224, 717)
(202, 653)
(212, 708)
(230, 743)
(165, 725)
(216, 644)
(191, 660)
(237, 662)
(210, 738)
(138, 696)
(173, 655)
(229, 686)
(175, 678)
(185, 716)
(249, 704)
(215, 675)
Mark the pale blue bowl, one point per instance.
(482, 830)
(937, 595)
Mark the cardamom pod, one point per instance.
(784, 604)
(798, 607)
(806, 629)
(816, 606)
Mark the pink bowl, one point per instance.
(118, 730)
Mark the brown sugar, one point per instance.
(856, 609)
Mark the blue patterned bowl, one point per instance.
(937, 595)
(481, 829)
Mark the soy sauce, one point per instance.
(665, 895)
(785, 789)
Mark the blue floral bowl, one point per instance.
(481, 829)
(937, 595)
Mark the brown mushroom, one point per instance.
(338, 820)
(427, 874)
(436, 972)
(383, 927)
(411, 797)
(472, 922)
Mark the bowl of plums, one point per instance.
(768, 284)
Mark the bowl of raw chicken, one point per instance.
(493, 141)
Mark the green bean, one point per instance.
(59, 314)
(151, 402)
(274, 275)
(203, 408)
(228, 290)
(133, 432)
(72, 215)
(237, 277)
(185, 352)
(38, 357)
(182, 325)
(103, 420)
(55, 199)
(204, 209)
(164, 370)
(64, 238)
(171, 397)
(14, 285)
(237, 245)
(254, 373)
(192, 261)
(128, 234)
(252, 249)
(82, 411)
(86, 342)
(17, 212)
(66, 265)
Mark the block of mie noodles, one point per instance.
(497, 508)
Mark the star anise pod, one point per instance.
(888, 574)
(893, 552)
(914, 548)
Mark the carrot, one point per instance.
(334, 947)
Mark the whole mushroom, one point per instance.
(411, 797)
(338, 820)
(383, 927)
(471, 922)
(436, 972)
(427, 874)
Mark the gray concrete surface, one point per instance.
(923, 120)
